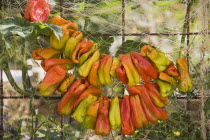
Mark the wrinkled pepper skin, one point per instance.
(80, 111)
(84, 69)
(145, 50)
(96, 91)
(102, 123)
(115, 64)
(37, 10)
(172, 70)
(131, 72)
(114, 113)
(166, 89)
(48, 63)
(93, 78)
(45, 53)
(125, 113)
(155, 96)
(165, 77)
(72, 43)
(121, 73)
(86, 55)
(138, 116)
(57, 20)
(143, 94)
(52, 80)
(185, 83)
(65, 106)
(159, 59)
(67, 82)
(144, 67)
(91, 115)
(80, 49)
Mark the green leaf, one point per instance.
(41, 117)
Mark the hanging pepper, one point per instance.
(131, 72)
(144, 67)
(86, 55)
(125, 113)
(45, 53)
(138, 116)
(102, 123)
(84, 69)
(52, 80)
(48, 63)
(37, 10)
(57, 20)
(93, 78)
(67, 82)
(166, 89)
(185, 83)
(165, 77)
(79, 113)
(72, 43)
(172, 71)
(65, 106)
(114, 114)
(115, 64)
(96, 91)
(121, 73)
(91, 115)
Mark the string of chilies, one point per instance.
(83, 98)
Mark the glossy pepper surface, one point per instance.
(65, 106)
(37, 10)
(91, 115)
(102, 123)
(86, 55)
(67, 82)
(166, 89)
(52, 80)
(165, 77)
(115, 64)
(121, 74)
(80, 111)
(48, 63)
(93, 78)
(125, 113)
(114, 113)
(45, 53)
(185, 83)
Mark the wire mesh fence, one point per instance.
(117, 26)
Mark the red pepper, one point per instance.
(37, 10)
(121, 74)
(125, 112)
(102, 123)
(45, 53)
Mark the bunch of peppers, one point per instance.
(82, 97)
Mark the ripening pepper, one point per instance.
(102, 123)
(57, 20)
(138, 116)
(145, 50)
(115, 64)
(159, 59)
(72, 43)
(125, 113)
(101, 68)
(37, 10)
(155, 96)
(91, 115)
(67, 82)
(172, 71)
(52, 80)
(86, 55)
(166, 89)
(185, 83)
(79, 113)
(144, 67)
(114, 114)
(65, 106)
(96, 91)
(131, 72)
(60, 44)
(84, 69)
(143, 94)
(45, 53)
(121, 73)
(81, 48)
(165, 77)
(48, 63)
(93, 75)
